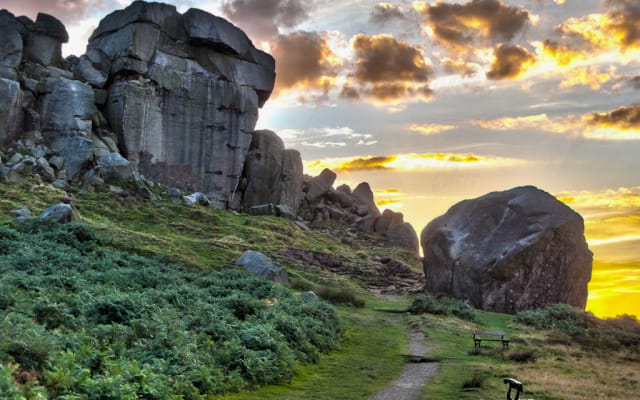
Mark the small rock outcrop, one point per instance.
(259, 264)
(508, 251)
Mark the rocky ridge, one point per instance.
(169, 99)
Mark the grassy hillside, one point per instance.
(141, 299)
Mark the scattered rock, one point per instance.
(309, 296)
(61, 213)
(196, 198)
(259, 264)
(22, 213)
(320, 185)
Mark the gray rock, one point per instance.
(309, 296)
(263, 169)
(282, 210)
(11, 115)
(366, 224)
(22, 213)
(112, 164)
(340, 197)
(85, 71)
(262, 209)
(259, 264)
(403, 235)
(304, 227)
(291, 180)
(61, 213)
(196, 198)
(387, 220)
(60, 184)
(11, 45)
(43, 41)
(57, 162)
(320, 185)
(15, 158)
(364, 201)
(509, 251)
(45, 170)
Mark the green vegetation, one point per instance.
(425, 303)
(81, 319)
(609, 334)
(140, 300)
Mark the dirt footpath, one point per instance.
(414, 376)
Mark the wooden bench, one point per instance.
(491, 336)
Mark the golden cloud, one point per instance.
(616, 29)
(408, 162)
(623, 123)
(431, 129)
(459, 67)
(510, 62)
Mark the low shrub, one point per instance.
(523, 356)
(584, 328)
(478, 380)
(82, 320)
(425, 303)
(338, 295)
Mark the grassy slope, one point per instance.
(371, 353)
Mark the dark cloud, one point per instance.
(349, 93)
(302, 60)
(624, 20)
(623, 118)
(387, 69)
(458, 26)
(385, 12)
(261, 19)
(459, 67)
(635, 82)
(382, 58)
(510, 62)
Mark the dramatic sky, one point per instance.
(432, 102)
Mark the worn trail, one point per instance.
(414, 376)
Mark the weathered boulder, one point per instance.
(403, 235)
(259, 264)
(291, 180)
(320, 185)
(263, 169)
(196, 198)
(387, 220)
(364, 201)
(61, 213)
(43, 41)
(508, 251)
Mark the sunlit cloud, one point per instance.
(623, 123)
(390, 198)
(510, 62)
(263, 19)
(459, 67)
(409, 162)
(589, 76)
(458, 27)
(430, 129)
(326, 137)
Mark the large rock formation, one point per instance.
(184, 92)
(170, 97)
(508, 251)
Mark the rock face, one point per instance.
(166, 96)
(508, 251)
(184, 94)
